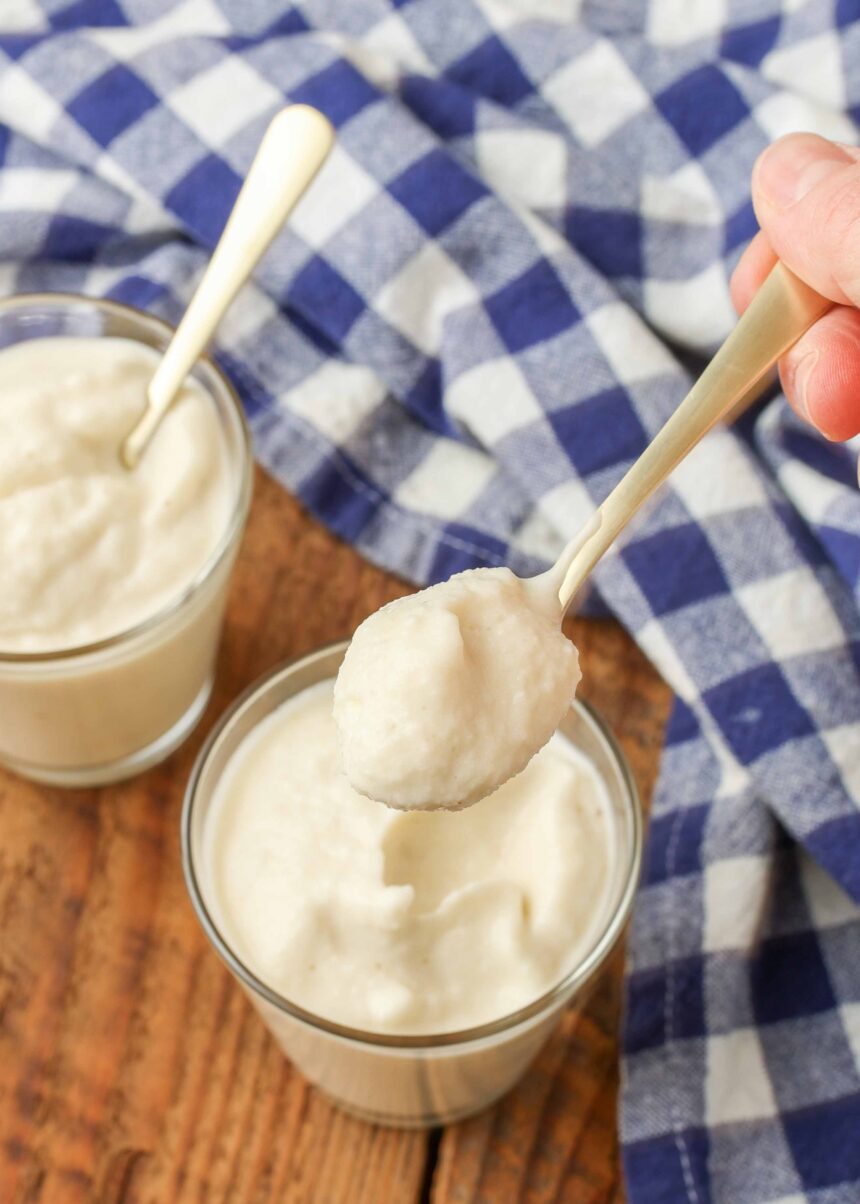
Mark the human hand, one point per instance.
(806, 194)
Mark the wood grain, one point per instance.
(131, 1067)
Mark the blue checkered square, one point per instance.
(672, 996)
(112, 103)
(679, 835)
(702, 107)
(663, 1166)
(75, 240)
(426, 402)
(492, 71)
(789, 979)
(435, 191)
(824, 1143)
(531, 309)
(331, 493)
(320, 291)
(678, 567)
(844, 548)
(204, 197)
(90, 14)
(600, 432)
(463, 548)
(339, 91)
(749, 44)
(757, 712)
(610, 238)
(447, 109)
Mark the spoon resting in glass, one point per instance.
(293, 149)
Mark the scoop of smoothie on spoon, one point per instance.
(293, 149)
(444, 695)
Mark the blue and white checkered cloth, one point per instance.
(485, 307)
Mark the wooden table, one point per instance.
(131, 1067)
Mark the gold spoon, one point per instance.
(293, 149)
(782, 310)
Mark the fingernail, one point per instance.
(786, 171)
(796, 378)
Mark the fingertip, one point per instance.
(751, 270)
(821, 374)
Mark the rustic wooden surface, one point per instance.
(131, 1067)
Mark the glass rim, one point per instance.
(576, 977)
(239, 511)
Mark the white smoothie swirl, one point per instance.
(89, 549)
(444, 695)
(403, 922)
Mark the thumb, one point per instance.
(806, 193)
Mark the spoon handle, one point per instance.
(292, 151)
(781, 311)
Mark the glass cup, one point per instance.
(409, 1081)
(100, 712)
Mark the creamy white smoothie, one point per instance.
(446, 694)
(403, 922)
(88, 548)
(114, 582)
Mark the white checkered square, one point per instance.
(394, 49)
(850, 1014)
(247, 316)
(34, 189)
(190, 18)
(492, 400)
(336, 399)
(791, 613)
(716, 479)
(600, 71)
(337, 194)
(812, 67)
(828, 903)
(529, 166)
(23, 16)
(737, 1084)
(629, 346)
(696, 311)
(505, 14)
(25, 105)
(685, 197)
(735, 894)
(417, 300)
(664, 654)
(447, 481)
(569, 507)
(678, 22)
(232, 90)
(789, 113)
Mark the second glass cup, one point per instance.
(88, 715)
(400, 1080)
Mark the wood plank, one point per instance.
(131, 1067)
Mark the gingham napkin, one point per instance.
(477, 319)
